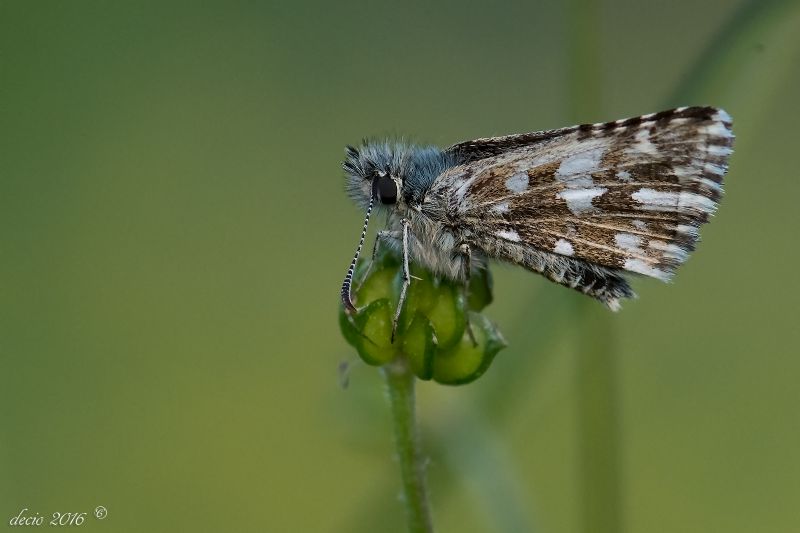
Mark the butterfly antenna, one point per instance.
(348, 279)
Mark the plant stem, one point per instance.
(598, 423)
(400, 384)
(583, 63)
(731, 50)
(597, 409)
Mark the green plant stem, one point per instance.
(732, 50)
(597, 409)
(400, 385)
(598, 422)
(584, 65)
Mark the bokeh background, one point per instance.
(173, 233)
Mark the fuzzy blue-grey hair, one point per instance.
(416, 166)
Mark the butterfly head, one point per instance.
(373, 180)
(373, 172)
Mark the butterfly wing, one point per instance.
(586, 204)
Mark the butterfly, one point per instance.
(585, 206)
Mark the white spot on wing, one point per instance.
(624, 175)
(717, 150)
(518, 182)
(642, 267)
(653, 200)
(643, 144)
(461, 187)
(576, 170)
(697, 201)
(628, 242)
(563, 247)
(717, 129)
(687, 229)
(722, 116)
(500, 208)
(580, 200)
(639, 224)
(509, 235)
(714, 169)
(711, 184)
(686, 172)
(669, 250)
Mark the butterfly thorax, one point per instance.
(432, 243)
(434, 236)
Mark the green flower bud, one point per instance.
(468, 360)
(441, 334)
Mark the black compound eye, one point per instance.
(384, 189)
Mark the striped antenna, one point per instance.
(348, 279)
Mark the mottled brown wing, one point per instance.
(625, 195)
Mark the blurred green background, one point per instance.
(174, 231)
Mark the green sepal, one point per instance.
(381, 283)
(448, 315)
(466, 361)
(349, 328)
(374, 323)
(422, 292)
(480, 289)
(419, 345)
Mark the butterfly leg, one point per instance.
(382, 235)
(466, 251)
(406, 278)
